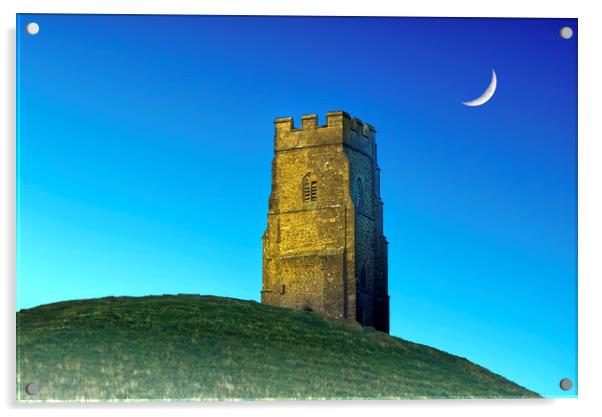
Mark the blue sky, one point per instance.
(145, 147)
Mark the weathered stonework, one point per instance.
(324, 247)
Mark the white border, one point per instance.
(508, 8)
(590, 202)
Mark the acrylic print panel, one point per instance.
(219, 207)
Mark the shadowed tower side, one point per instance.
(324, 247)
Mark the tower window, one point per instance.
(310, 188)
(359, 190)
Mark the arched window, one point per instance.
(359, 191)
(310, 188)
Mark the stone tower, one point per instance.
(324, 247)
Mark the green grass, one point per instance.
(189, 347)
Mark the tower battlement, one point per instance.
(333, 119)
(310, 121)
(340, 128)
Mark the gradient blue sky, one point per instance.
(145, 147)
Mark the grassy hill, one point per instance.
(189, 347)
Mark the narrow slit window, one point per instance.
(310, 188)
(306, 190)
(359, 190)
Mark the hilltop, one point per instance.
(190, 347)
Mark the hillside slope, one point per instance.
(189, 347)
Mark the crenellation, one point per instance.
(309, 121)
(284, 124)
(369, 131)
(337, 118)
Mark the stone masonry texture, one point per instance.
(324, 249)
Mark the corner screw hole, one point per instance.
(566, 32)
(32, 388)
(32, 28)
(566, 384)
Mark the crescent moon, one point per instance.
(486, 96)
